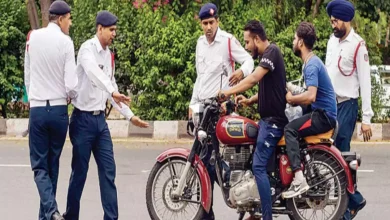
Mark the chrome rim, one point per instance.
(325, 206)
(164, 205)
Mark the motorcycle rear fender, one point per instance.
(201, 170)
(332, 150)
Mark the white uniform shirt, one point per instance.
(50, 67)
(95, 72)
(210, 59)
(340, 63)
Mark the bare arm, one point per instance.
(250, 81)
(305, 98)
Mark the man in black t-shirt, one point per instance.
(270, 76)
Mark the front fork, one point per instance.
(183, 181)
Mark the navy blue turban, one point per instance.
(341, 9)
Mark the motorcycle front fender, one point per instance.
(201, 170)
(332, 150)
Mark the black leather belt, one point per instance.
(90, 112)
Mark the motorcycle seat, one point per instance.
(315, 139)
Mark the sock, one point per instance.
(299, 176)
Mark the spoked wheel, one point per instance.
(327, 200)
(163, 179)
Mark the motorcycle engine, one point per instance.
(245, 192)
(243, 189)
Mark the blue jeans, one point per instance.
(48, 126)
(347, 112)
(267, 139)
(89, 134)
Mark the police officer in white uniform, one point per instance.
(349, 69)
(88, 129)
(216, 51)
(50, 79)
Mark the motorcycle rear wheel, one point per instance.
(169, 206)
(328, 162)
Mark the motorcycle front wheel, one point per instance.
(163, 179)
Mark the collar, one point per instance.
(350, 36)
(54, 26)
(97, 44)
(216, 39)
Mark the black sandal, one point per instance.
(355, 211)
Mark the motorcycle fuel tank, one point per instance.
(235, 129)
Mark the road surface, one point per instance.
(19, 197)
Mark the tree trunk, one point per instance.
(387, 36)
(316, 8)
(32, 14)
(45, 5)
(308, 5)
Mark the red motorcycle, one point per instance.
(179, 186)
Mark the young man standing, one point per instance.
(270, 76)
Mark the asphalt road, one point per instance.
(19, 197)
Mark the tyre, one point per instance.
(161, 183)
(317, 203)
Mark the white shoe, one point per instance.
(297, 188)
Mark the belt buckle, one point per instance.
(96, 113)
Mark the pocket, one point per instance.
(328, 61)
(213, 65)
(61, 112)
(201, 65)
(274, 133)
(345, 62)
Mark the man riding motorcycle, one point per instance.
(270, 75)
(319, 94)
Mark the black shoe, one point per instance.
(355, 211)
(57, 216)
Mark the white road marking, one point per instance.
(145, 171)
(14, 165)
(365, 171)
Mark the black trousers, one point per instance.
(313, 123)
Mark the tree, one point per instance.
(32, 14)
(13, 29)
(45, 5)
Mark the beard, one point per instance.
(339, 33)
(297, 52)
(255, 53)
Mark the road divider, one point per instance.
(168, 130)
